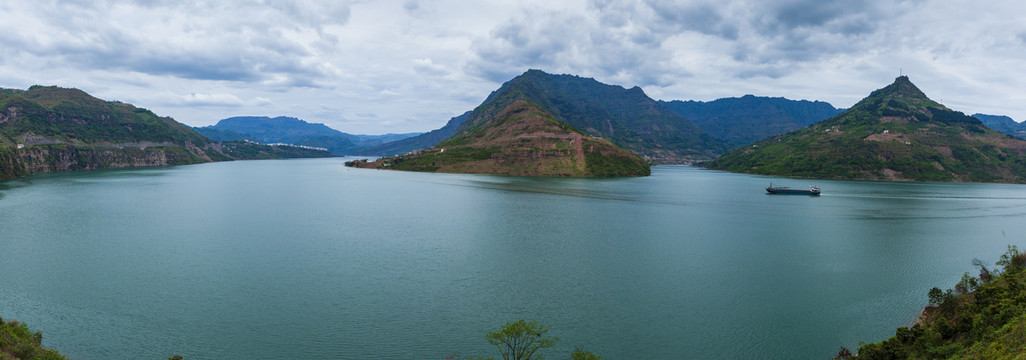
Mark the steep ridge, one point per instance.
(897, 133)
(521, 139)
(1003, 124)
(626, 117)
(747, 119)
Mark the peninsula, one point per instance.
(524, 140)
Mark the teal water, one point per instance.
(309, 259)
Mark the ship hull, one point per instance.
(786, 191)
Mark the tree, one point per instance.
(967, 285)
(936, 296)
(1012, 260)
(580, 354)
(985, 275)
(521, 340)
(843, 354)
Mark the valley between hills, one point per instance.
(895, 134)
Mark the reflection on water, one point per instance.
(309, 259)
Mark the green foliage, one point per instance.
(581, 354)
(18, 342)
(623, 164)
(521, 340)
(524, 340)
(1012, 259)
(73, 116)
(895, 133)
(982, 318)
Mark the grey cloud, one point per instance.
(524, 42)
(799, 13)
(703, 17)
(411, 5)
(610, 40)
(193, 41)
(781, 35)
(628, 40)
(843, 17)
(313, 12)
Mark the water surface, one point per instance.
(309, 259)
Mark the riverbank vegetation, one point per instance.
(18, 342)
(983, 317)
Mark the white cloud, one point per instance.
(195, 99)
(426, 66)
(414, 63)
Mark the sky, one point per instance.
(396, 66)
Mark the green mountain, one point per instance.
(744, 120)
(289, 130)
(521, 139)
(49, 129)
(897, 133)
(626, 117)
(1003, 124)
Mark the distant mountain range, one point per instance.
(585, 104)
(422, 141)
(294, 131)
(1003, 124)
(744, 120)
(897, 133)
(48, 129)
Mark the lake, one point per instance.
(309, 259)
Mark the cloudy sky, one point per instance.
(372, 67)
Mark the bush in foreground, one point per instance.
(18, 342)
(983, 317)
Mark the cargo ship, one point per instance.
(783, 190)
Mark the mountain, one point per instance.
(422, 141)
(897, 133)
(1003, 124)
(525, 140)
(291, 130)
(626, 117)
(49, 129)
(744, 120)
